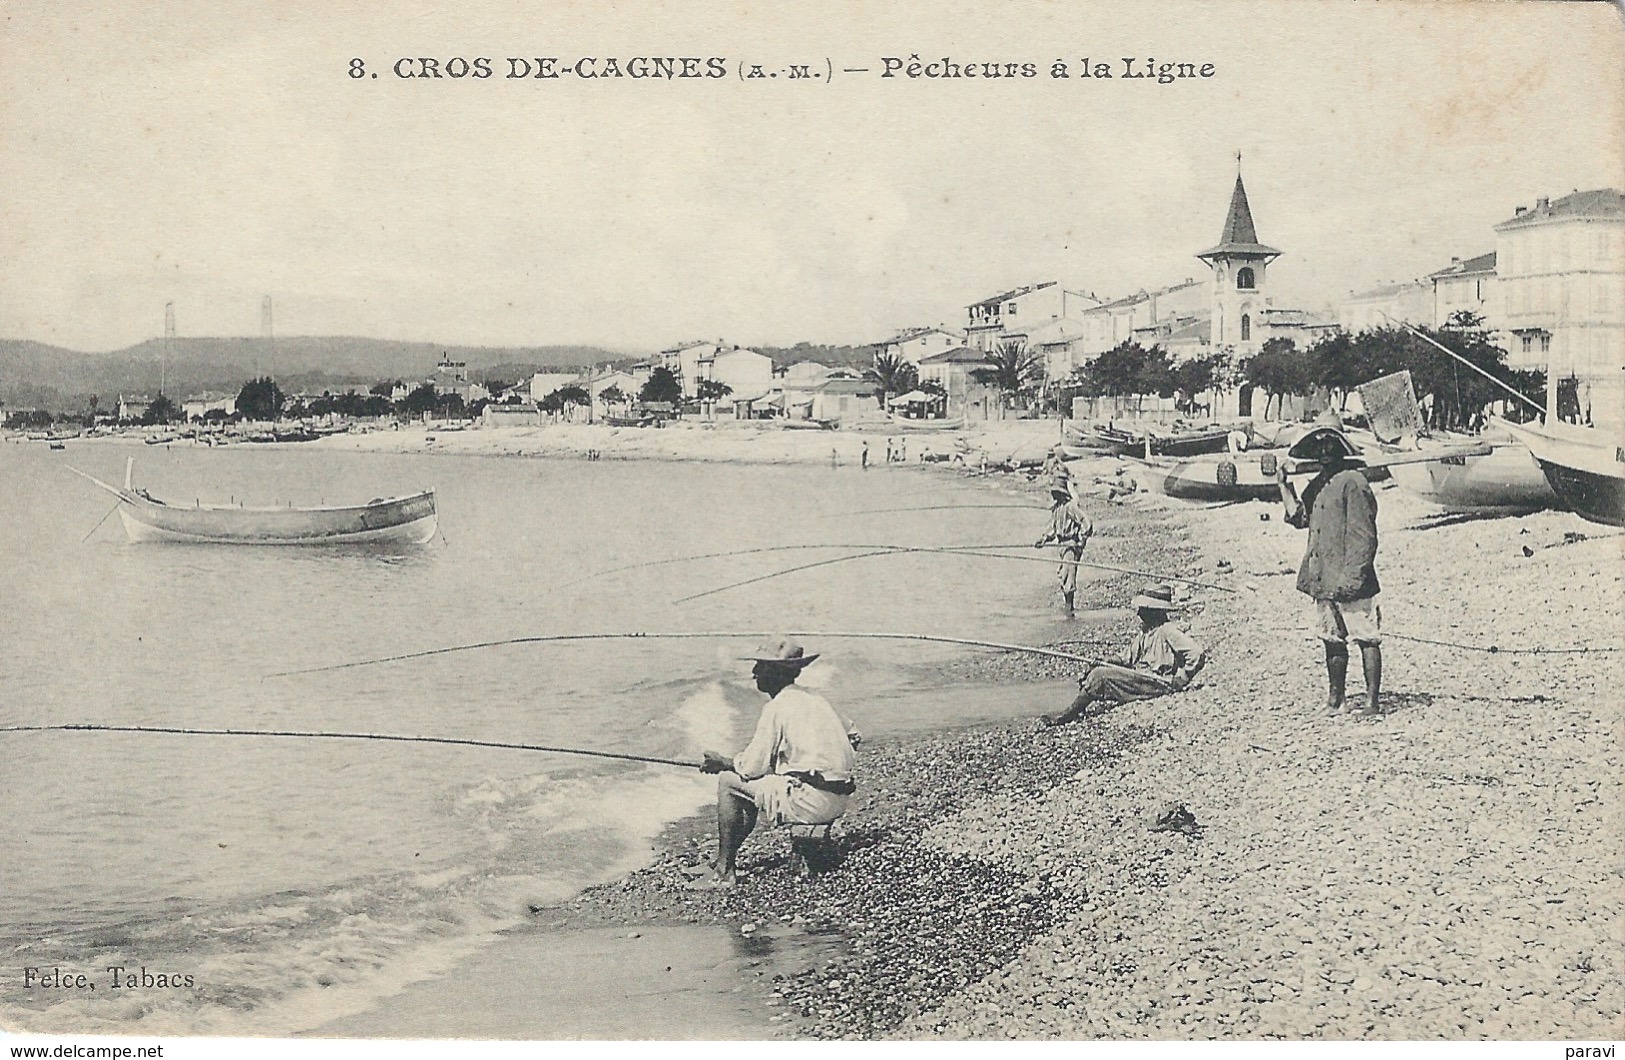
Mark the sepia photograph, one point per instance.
(701, 521)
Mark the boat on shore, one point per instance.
(1506, 481)
(902, 423)
(1584, 466)
(409, 520)
(1221, 478)
(1175, 442)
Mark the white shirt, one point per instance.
(798, 732)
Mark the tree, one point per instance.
(1011, 369)
(613, 395)
(162, 410)
(712, 390)
(260, 399)
(1116, 372)
(419, 401)
(1278, 369)
(1157, 373)
(891, 373)
(384, 389)
(661, 385)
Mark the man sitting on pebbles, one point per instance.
(797, 769)
(1161, 659)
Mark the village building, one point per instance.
(951, 369)
(1379, 307)
(612, 382)
(990, 321)
(200, 405)
(846, 401)
(1560, 274)
(913, 344)
(747, 374)
(133, 406)
(1466, 285)
(544, 383)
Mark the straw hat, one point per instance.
(782, 652)
(1156, 598)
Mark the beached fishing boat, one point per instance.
(1584, 466)
(902, 423)
(1172, 442)
(1243, 477)
(1507, 481)
(397, 520)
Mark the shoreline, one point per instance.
(1447, 870)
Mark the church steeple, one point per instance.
(1240, 238)
(1240, 307)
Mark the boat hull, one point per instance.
(1208, 479)
(1584, 466)
(403, 520)
(1509, 481)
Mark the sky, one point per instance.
(209, 154)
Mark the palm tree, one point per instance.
(1011, 369)
(892, 373)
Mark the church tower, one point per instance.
(1238, 265)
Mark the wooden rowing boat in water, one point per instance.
(408, 520)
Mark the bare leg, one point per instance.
(1371, 662)
(1079, 707)
(1070, 613)
(1337, 672)
(736, 816)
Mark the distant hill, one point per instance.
(37, 374)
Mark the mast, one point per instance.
(169, 339)
(268, 334)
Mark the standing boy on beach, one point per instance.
(798, 768)
(1161, 659)
(1339, 565)
(1070, 528)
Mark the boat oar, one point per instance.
(553, 638)
(351, 736)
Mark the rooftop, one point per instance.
(1600, 202)
(957, 355)
(1007, 295)
(1461, 267)
(1239, 238)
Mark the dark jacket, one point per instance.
(1341, 513)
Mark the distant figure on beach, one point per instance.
(863, 455)
(798, 768)
(1339, 565)
(1161, 659)
(888, 451)
(1070, 528)
(834, 458)
(902, 450)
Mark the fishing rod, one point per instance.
(390, 737)
(551, 638)
(935, 508)
(956, 552)
(1447, 350)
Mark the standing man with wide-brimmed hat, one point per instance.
(798, 768)
(1069, 527)
(1162, 658)
(1339, 564)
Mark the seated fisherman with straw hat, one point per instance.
(798, 768)
(1162, 658)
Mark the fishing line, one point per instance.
(723, 635)
(1496, 649)
(744, 552)
(963, 551)
(351, 736)
(935, 508)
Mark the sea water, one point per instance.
(294, 879)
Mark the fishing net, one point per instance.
(1390, 407)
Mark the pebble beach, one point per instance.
(1232, 862)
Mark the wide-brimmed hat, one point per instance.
(1156, 598)
(782, 652)
(1323, 443)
